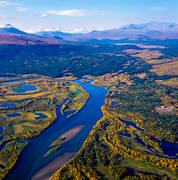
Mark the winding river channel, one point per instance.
(33, 164)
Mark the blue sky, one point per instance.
(84, 15)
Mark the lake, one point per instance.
(13, 115)
(24, 88)
(7, 105)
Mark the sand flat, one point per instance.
(51, 168)
(46, 172)
(70, 134)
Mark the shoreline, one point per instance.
(48, 125)
(46, 172)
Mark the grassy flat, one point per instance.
(34, 110)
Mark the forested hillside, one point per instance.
(57, 60)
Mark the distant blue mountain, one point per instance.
(147, 31)
(8, 28)
(152, 26)
(12, 35)
(59, 35)
(151, 30)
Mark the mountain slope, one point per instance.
(12, 35)
(150, 30)
(9, 29)
(147, 31)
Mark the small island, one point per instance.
(85, 81)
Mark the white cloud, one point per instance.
(7, 3)
(73, 30)
(15, 5)
(70, 12)
(158, 8)
(30, 31)
(43, 15)
(76, 30)
(39, 30)
(22, 9)
(8, 17)
(50, 29)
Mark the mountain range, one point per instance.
(147, 31)
(12, 35)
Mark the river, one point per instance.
(32, 160)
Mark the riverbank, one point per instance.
(121, 144)
(34, 101)
(33, 155)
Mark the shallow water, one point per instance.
(113, 103)
(7, 105)
(129, 123)
(1, 130)
(40, 116)
(126, 134)
(170, 149)
(25, 88)
(13, 115)
(2, 118)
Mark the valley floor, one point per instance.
(135, 133)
